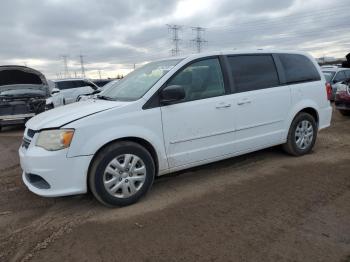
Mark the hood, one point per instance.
(65, 114)
(20, 78)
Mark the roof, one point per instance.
(70, 79)
(234, 52)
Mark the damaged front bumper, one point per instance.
(18, 111)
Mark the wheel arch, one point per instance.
(304, 107)
(311, 111)
(141, 141)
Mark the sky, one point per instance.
(115, 35)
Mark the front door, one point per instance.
(201, 127)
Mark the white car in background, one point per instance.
(56, 98)
(99, 90)
(72, 89)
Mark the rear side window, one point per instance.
(298, 68)
(253, 72)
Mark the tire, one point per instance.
(64, 102)
(344, 112)
(295, 144)
(113, 181)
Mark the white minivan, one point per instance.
(175, 114)
(72, 89)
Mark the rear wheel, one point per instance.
(344, 112)
(302, 135)
(121, 174)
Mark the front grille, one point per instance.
(31, 133)
(26, 143)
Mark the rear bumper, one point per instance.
(325, 117)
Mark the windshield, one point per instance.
(328, 75)
(137, 83)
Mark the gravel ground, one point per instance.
(264, 206)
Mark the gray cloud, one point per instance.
(116, 34)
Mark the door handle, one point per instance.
(243, 102)
(223, 105)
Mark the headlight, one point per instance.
(53, 140)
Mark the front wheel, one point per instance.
(121, 174)
(302, 135)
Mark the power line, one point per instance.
(198, 40)
(174, 31)
(65, 65)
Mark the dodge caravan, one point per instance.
(175, 114)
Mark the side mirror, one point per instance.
(171, 94)
(55, 91)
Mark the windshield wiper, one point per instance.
(105, 98)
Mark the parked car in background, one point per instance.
(99, 90)
(334, 76)
(71, 89)
(23, 94)
(101, 82)
(56, 98)
(342, 98)
(174, 114)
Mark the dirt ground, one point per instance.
(265, 206)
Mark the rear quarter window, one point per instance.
(298, 68)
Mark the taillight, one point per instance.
(329, 91)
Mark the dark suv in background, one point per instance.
(23, 94)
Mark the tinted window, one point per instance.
(80, 83)
(347, 73)
(298, 68)
(65, 85)
(340, 76)
(201, 80)
(253, 72)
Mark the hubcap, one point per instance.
(124, 176)
(304, 134)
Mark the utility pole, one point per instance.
(174, 32)
(82, 66)
(99, 72)
(65, 64)
(199, 40)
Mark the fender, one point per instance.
(150, 130)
